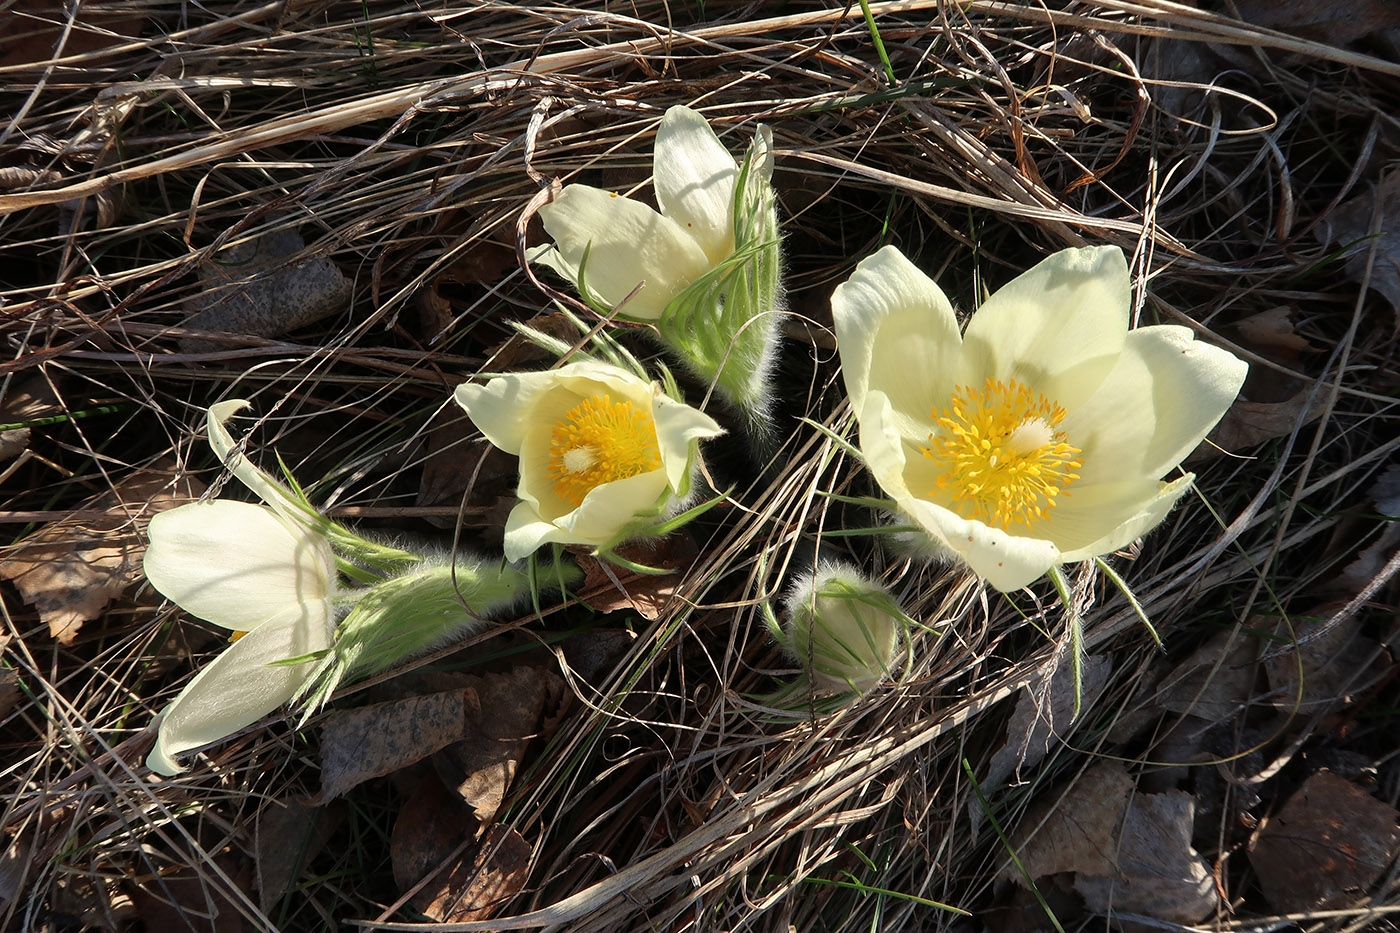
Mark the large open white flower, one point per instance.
(602, 451)
(250, 570)
(1040, 435)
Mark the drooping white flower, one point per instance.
(703, 269)
(250, 570)
(603, 453)
(1038, 436)
(843, 627)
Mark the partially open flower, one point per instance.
(603, 453)
(842, 627)
(252, 571)
(1038, 436)
(704, 269)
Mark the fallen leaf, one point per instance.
(1336, 662)
(10, 693)
(288, 835)
(455, 871)
(13, 443)
(503, 713)
(70, 569)
(1044, 710)
(612, 588)
(1328, 845)
(34, 28)
(1157, 873)
(1216, 681)
(460, 286)
(257, 287)
(1248, 424)
(1385, 493)
(1270, 333)
(1350, 226)
(1079, 829)
(195, 899)
(1324, 21)
(375, 740)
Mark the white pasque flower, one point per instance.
(602, 451)
(1039, 435)
(629, 244)
(250, 570)
(704, 269)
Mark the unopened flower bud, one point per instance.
(843, 627)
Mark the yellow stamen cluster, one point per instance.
(600, 441)
(999, 453)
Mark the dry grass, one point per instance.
(404, 142)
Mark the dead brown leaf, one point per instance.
(613, 588)
(1350, 224)
(1324, 21)
(195, 899)
(1157, 874)
(289, 834)
(1335, 661)
(379, 739)
(33, 28)
(503, 713)
(257, 287)
(1270, 333)
(1044, 710)
(1328, 845)
(1215, 682)
(454, 875)
(1248, 424)
(69, 570)
(1079, 828)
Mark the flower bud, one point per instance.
(843, 627)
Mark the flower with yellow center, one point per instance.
(702, 267)
(603, 453)
(1038, 436)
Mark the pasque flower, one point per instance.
(271, 575)
(1039, 435)
(703, 269)
(603, 453)
(250, 570)
(842, 627)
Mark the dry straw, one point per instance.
(409, 144)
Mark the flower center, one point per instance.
(999, 454)
(600, 441)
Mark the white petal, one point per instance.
(628, 244)
(1006, 561)
(1057, 328)
(1148, 517)
(694, 177)
(239, 687)
(677, 427)
(264, 486)
(605, 512)
(1086, 514)
(882, 445)
(235, 564)
(896, 333)
(1165, 393)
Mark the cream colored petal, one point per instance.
(1086, 514)
(1165, 393)
(505, 407)
(628, 244)
(235, 564)
(1006, 561)
(536, 486)
(605, 512)
(694, 177)
(240, 686)
(271, 491)
(1058, 327)
(897, 334)
(677, 427)
(1149, 516)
